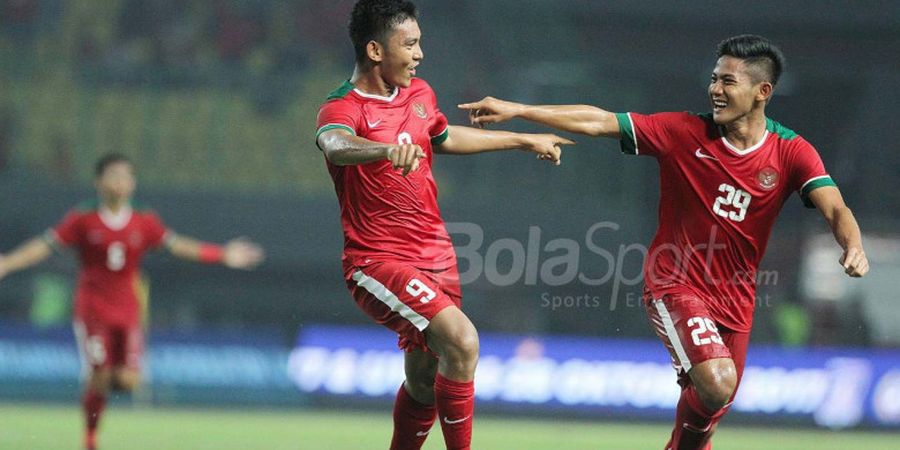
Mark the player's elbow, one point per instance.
(335, 156)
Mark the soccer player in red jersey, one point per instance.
(724, 177)
(111, 236)
(378, 132)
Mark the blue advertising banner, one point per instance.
(836, 388)
(204, 366)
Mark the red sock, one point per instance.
(412, 421)
(92, 403)
(456, 405)
(693, 422)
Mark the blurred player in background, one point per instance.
(378, 132)
(724, 177)
(111, 235)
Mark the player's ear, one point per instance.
(375, 51)
(764, 92)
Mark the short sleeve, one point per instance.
(154, 230)
(338, 114)
(438, 128)
(651, 135)
(67, 232)
(807, 173)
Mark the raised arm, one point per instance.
(26, 255)
(236, 254)
(581, 119)
(467, 141)
(342, 148)
(830, 203)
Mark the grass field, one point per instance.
(43, 427)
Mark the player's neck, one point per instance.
(370, 82)
(114, 205)
(745, 132)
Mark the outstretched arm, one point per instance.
(581, 119)
(26, 255)
(342, 148)
(830, 203)
(467, 141)
(236, 254)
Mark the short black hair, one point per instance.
(108, 160)
(757, 52)
(373, 19)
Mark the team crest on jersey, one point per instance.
(420, 110)
(767, 178)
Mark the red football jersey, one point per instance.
(386, 216)
(110, 247)
(717, 205)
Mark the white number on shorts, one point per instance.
(404, 138)
(417, 288)
(704, 325)
(94, 350)
(115, 256)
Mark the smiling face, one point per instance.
(399, 55)
(116, 183)
(736, 89)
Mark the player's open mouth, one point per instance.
(412, 71)
(719, 105)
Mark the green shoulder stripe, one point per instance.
(812, 185)
(627, 139)
(341, 91)
(779, 129)
(439, 139)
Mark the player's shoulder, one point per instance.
(341, 92)
(782, 132)
(787, 137)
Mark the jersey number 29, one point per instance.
(733, 205)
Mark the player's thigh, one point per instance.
(400, 297)
(452, 334)
(685, 326)
(93, 341)
(126, 352)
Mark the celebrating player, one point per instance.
(724, 177)
(111, 236)
(378, 132)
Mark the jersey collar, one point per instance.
(115, 221)
(389, 98)
(748, 150)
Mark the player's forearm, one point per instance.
(194, 250)
(348, 150)
(845, 229)
(467, 141)
(28, 254)
(581, 119)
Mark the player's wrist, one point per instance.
(211, 254)
(388, 151)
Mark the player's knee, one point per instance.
(100, 380)
(718, 387)
(464, 345)
(126, 381)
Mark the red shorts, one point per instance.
(104, 346)
(683, 322)
(404, 298)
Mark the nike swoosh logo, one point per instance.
(453, 422)
(702, 155)
(373, 124)
(423, 433)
